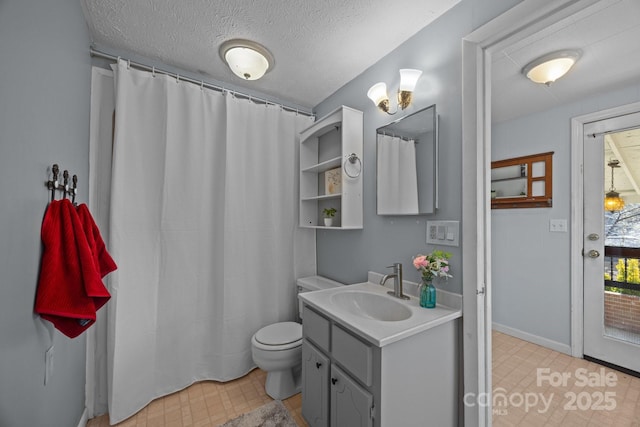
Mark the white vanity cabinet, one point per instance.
(331, 170)
(348, 381)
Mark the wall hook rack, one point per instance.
(66, 188)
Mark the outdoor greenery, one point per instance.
(628, 274)
(623, 229)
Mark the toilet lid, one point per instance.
(280, 333)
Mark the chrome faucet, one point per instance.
(397, 281)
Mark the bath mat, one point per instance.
(272, 414)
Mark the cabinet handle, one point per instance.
(334, 381)
(318, 364)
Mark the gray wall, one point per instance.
(531, 265)
(44, 119)
(346, 256)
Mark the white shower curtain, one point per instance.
(203, 226)
(397, 178)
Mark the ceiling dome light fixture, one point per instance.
(549, 68)
(408, 79)
(612, 201)
(248, 60)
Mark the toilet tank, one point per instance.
(313, 283)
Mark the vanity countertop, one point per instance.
(377, 332)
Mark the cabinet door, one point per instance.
(315, 386)
(351, 405)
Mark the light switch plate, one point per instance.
(446, 233)
(558, 225)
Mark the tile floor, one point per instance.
(207, 403)
(581, 399)
(571, 392)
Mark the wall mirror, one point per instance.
(407, 164)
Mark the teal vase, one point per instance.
(427, 294)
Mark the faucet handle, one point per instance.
(396, 266)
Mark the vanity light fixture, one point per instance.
(550, 67)
(612, 201)
(247, 59)
(408, 79)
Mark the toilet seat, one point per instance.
(278, 336)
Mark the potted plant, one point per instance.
(329, 213)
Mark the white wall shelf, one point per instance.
(325, 146)
(322, 197)
(324, 166)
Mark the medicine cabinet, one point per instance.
(407, 165)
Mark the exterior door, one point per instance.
(611, 242)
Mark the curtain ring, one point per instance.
(352, 158)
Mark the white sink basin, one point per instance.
(371, 305)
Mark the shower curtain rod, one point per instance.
(202, 83)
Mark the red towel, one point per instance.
(70, 287)
(103, 261)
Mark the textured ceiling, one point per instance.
(318, 45)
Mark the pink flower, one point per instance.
(420, 261)
(435, 264)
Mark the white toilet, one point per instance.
(277, 348)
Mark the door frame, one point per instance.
(577, 217)
(524, 19)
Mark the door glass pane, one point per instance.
(622, 239)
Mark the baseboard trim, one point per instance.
(84, 419)
(536, 339)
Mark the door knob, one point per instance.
(593, 253)
(334, 381)
(318, 364)
(593, 237)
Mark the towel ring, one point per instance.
(352, 158)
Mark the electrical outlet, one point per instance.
(48, 365)
(433, 232)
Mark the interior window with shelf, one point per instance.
(522, 182)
